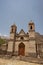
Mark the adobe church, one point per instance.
(25, 44)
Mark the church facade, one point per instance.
(25, 44)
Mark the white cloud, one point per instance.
(4, 35)
(0, 34)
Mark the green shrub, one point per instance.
(2, 41)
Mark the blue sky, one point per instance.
(21, 12)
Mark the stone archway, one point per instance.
(21, 49)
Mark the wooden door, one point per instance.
(21, 49)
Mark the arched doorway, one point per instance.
(21, 49)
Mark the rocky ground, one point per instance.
(15, 61)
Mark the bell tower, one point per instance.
(13, 31)
(32, 42)
(31, 30)
(11, 42)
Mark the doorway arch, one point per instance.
(21, 49)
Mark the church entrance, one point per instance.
(21, 50)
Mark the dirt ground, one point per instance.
(14, 62)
